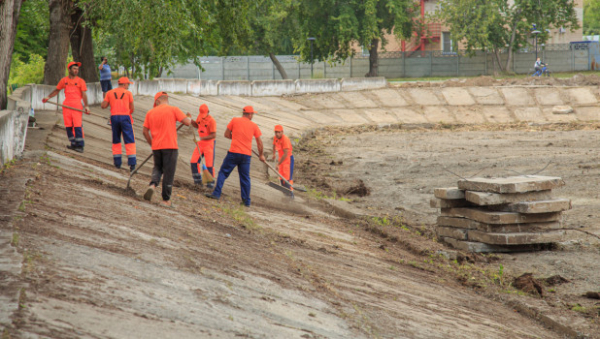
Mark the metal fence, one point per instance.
(571, 57)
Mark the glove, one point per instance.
(45, 100)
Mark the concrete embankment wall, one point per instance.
(258, 88)
(13, 126)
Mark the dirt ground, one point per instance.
(355, 257)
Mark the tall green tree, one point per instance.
(9, 17)
(336, 25)
(591, 17)
(496, 24)
(32, 30)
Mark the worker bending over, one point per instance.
(285, 164)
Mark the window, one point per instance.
(446, 42)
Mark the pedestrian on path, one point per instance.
(75, 89)
(160, 132)
(207, 130)
(105, 76)
(120, 101)
(240, 130)
(285, 164)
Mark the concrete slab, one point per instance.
(449, 193)
(457, 222)
(390, 97)
(350, 116)
(546, 237)
(498, 114)
(475, 247)
(357, 100)
(517, 228)
(443, 203)
(496, 218)
(486, 95)
(381, 115)
(436, 114)
(487, 198)
(467, 115)
(456, 96)
(587, 113)
(409, 116)
(516, 184)
(424, 97)
(451, 232)
(582, 96)
(322, 118)
(323, 101)
(548, 97)
(563, 109)
(544, 206)
(551, 115)
(528, 114)
(517, 97)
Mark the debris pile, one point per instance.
(500, 214)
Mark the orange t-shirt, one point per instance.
(242, 130)
(119, 100)
(73, 88)
(162, 123)
(281, 144)
(206, 127)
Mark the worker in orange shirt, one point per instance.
(207, 130)
(283, 146)
(160, 132)
(120, 101)
(240, 130)
(75, 89)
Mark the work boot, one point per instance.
(149, 193)
(108, 122)
(210, 184)
(71, 147)
(210, 196)
(79, 149)
(244, 203)
(131, 168)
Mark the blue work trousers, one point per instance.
(231, 161)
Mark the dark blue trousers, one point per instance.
(231, 161)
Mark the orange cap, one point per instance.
(125, 80)
(278, 128)
(248, 109)
(203, 109)
(72, 63)
(158, 95)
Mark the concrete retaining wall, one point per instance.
(238, 88)
(318, 86)
(261, 88)
(357, 84)
(13, 125)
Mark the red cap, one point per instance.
(73, 63)
(203, 109)
(124, 80)
(248, 109)
(278, 128)
(158, 95)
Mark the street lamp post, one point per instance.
(311, 56)
(535, 33)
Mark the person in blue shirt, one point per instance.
(105, 76)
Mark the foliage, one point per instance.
(22, 73)
(32, 30)
(337, 25)
(272, 28)
(591, 18)
(496, 24)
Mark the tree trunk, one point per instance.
(512, 41)
(81, 46)
(58, 44)
(497, 54)
(373, 59)
(280, 68)
(9, 16)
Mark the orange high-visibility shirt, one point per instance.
(119, 100)
(73, 88)
(206, 127)
(162, 123)
(242, 130)
(282, 144)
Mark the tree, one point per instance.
(32, 30)
(591, 17)
(338, 24)
(82, 47)
(58, 40)
(9, 17)
(496, 24)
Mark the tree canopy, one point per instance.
(591, 17)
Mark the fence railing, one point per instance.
(571, 57)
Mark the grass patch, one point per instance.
(241, 217)
(15, 239)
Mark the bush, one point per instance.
(26, 73)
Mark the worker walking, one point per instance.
(120, 101)
(161, 133)
(240, 130)
(75, 89)
(285, 164)
(207, 130)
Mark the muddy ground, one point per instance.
(355, 257)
